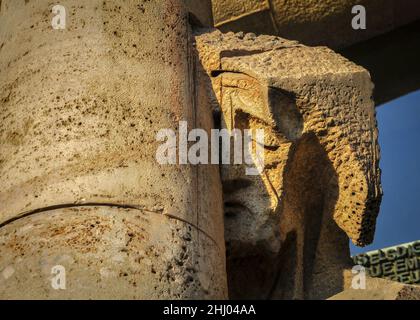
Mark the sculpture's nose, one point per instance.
(352, 147)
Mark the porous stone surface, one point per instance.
(80, 109)
(81, 186)
(284, 228)
(313, 22)
(107, 253)
(380, 289)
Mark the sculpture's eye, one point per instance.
(289, 120)
(272, 138)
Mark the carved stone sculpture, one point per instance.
(321, 170)
(80, 185)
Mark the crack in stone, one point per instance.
(100, 204)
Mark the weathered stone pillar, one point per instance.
(79, 183)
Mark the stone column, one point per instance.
(80, 186)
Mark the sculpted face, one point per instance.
(253, 203)
(78, 165)
(294, 137)
(321, 182)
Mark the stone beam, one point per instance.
(313, 22)
(392, 60)
(202, 10)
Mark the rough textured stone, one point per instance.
(108, 253)
(380, 289)
(321, 163)
(80, 109)
(313, 22)
(80, 185)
